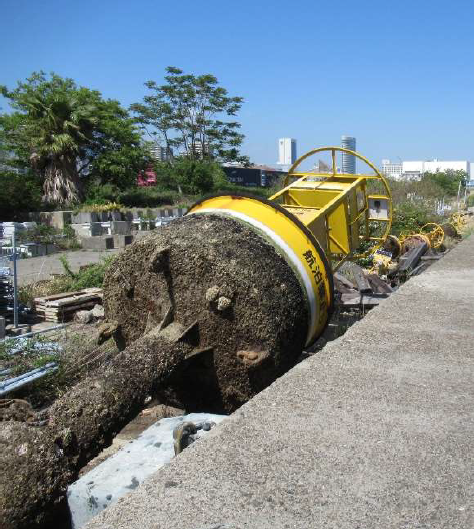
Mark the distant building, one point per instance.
(415, 170)
(162, 154)
(392, 169)
(255, 176)
(199, 147)
(348, 160)
(286, 152)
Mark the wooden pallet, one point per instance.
(62, 307)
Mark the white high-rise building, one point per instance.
(160, 153)
(348, 160)
(286, 151)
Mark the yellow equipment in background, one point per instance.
(315, 223)
(458, 220)
(435, 234)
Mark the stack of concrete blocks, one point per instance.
(28, 249)
(33, 249)
(102, 231)
(109, 229)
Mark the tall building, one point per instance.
(348, 160)
(286, 151)
(160, 153)
(198, 147)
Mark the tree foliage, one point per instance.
(193, 177)
(448, 180)
(188, 112)
(19, 193)
(66, 133)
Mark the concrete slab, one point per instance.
(376, 431)
(120, 241)
(120, 227)
(91, 229)
(103, 242)
(57, 219)
(130, 466)
(37, 268)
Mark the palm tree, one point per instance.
(63, 127)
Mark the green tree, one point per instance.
(188, 112)
(66, 134)
(116, 153)
(448, 180)
(19, 193)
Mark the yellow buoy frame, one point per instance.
(292, 240)
(315, 224)
(338, 208)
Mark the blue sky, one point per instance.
(397, 75)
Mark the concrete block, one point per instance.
(120, 227)
(56, 219)
(115, 215)
(103, 216)
(32, 249)
(84, 217)
(84, 316)
(120, 241)
(51, 248)
(129, 467)
(92, 229)
(98, 243)
(137, 213)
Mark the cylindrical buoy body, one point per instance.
(248, 285)
(292, 240)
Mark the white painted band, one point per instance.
(291, 256)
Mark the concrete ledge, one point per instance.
(97, 243)
(120, 241)
(374, 432)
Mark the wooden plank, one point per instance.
(343, 280)
(71, 309)
(73, 301)
(363, 284)
(378, 285)
(409, 260)
(53, 297)
(351, 301)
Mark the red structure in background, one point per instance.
(147, 177)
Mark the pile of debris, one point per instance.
(356, 287)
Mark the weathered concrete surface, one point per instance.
(376, 431)
(36, 268)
